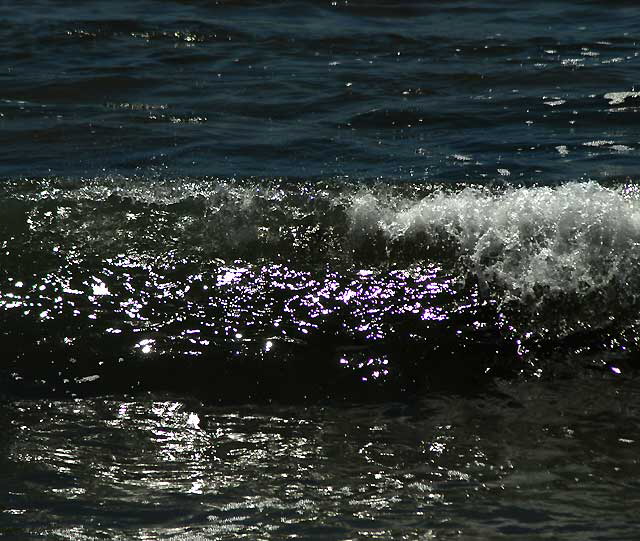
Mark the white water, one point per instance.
(576, 237)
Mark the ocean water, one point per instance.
(319, 270)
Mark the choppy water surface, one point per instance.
(333, 270)
(288, 291)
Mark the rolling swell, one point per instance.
(289, 290)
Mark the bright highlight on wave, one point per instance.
(573, 238)
(215, 282)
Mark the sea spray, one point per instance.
(379, 286)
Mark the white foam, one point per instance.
(575, 237)
(617, 98)
(600, 143)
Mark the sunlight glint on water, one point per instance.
(319, 270)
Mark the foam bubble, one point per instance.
(576, 237)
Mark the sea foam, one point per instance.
(575, 237)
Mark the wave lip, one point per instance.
(574, 237)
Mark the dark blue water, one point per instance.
(333, 270)
(398, 91)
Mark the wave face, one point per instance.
(289, 290)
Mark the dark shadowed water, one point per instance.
(553, 461)
(319, 270)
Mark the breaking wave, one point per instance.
(332, 278)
